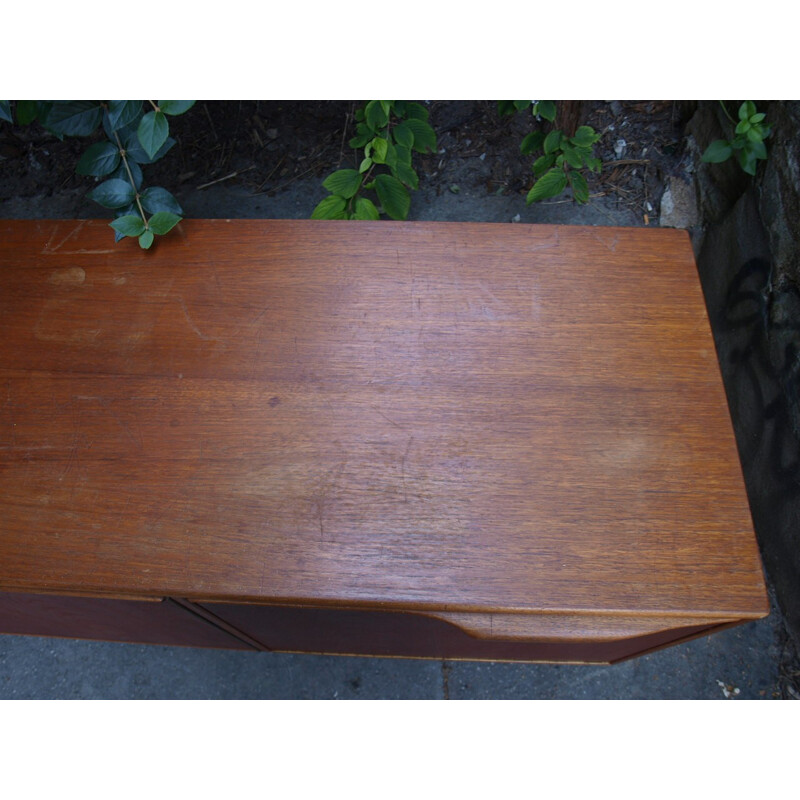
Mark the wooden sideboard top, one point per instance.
(460, 417)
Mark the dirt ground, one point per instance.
(267, 148)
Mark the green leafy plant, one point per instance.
(137, 134)
(563, 160)
(747, 144)
(389, 131)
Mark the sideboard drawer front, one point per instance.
(141, 621)
(417, 635)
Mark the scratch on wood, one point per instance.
(194, 327)
(611, 245)
(320, 503)
(10, 407)
(403, 468)
(48, 250)
(214, 273)
(378, 411)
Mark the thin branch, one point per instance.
(226, 178)
(732, 120)
(130, 178)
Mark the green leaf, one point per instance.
(175, 107)
(550, 184)
(403, 155)
(133, 148)
(153, 132)
(391, 156)
(717, 152)
(129, 225)
(99, 159)
(146, 239)
(585, 136)
(532, 142)
(330, 208)
(747, 159)
(27, 111)
(403, 135)
(406, 175)
(743, 126)
(375, 116)
(747, 109)
(123, 212)
(113, 193)
(386, 105)
(122, 173)
(400, 108)
(74, 117)
(759, 149)
(546, 109)
(594, 164)
(755, 134)
(424, 135)
(542, 164)
(344, 182)
(755, 119)
(162, 222)
(5, 111)
(505, 107)
(521, 105)
(417, 111)
(359, 141)
(123, 112)
(580, 189)
(572, 156)
(365, 209)
(380, 147)
(155, 199)
(363, 135)
(552, 142)
(365, 165)
(394, 197)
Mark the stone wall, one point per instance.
(746, 245)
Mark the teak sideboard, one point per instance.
(458, 440)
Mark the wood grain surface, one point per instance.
(485, 420)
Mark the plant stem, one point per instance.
(732, 120)
(130, 178)
(155, 107)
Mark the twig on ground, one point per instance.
(213, 129)
(296, 177)
(344, 133)
(272, 172)
(623, 162)
(226, 178)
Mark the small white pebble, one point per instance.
(516, 218)
(482, 156)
